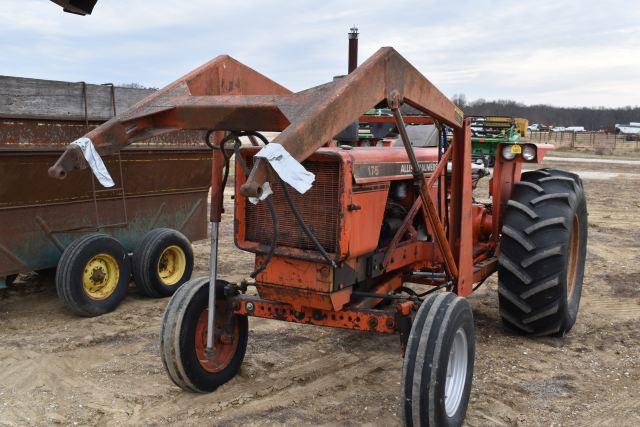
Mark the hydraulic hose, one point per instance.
(272, 210)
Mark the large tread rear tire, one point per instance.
(542, 253)
(442, 317)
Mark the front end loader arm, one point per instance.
(226, 95)
(217, 78)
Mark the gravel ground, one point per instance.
(60, 369)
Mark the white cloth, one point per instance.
(95, 162)
(288, 168)
(266, 191)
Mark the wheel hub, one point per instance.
(172, 265)
(573, 257)
(224, 345)
(100, 276)
(456, 372)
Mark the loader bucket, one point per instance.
(79, 7)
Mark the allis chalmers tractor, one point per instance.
(339, 231)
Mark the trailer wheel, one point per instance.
(438, 365)
(93, 275)
(183, 339)
(542, 253)
(162, 262)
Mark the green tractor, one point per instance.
(489, 131)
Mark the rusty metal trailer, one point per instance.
(159, 197)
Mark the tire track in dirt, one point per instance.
(296, 382)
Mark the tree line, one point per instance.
(599, 118)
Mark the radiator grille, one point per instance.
(319, 207)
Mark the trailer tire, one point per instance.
(10, 279)
(542, 253)
(162, 262)
(183, 339)
(441, 342)
(93, 275)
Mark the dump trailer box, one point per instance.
(161, 184)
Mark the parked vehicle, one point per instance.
(338, 230)
(156, 208)
(537, 127)
(487, 132)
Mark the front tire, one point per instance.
(183, 339)
(438, 365)
(542, 253)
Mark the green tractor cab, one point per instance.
(489, 131)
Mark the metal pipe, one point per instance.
(213, 275)
(436, 225)
(428, 274)
(353, 49)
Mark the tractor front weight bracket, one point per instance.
(361, 319)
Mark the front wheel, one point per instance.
(183, 339)
(438, 364)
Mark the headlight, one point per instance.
(529, 152)
(507, 153)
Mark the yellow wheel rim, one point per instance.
(172, 265)
(100, 276)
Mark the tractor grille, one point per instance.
(319, 208)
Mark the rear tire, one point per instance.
(162, 262)
(183, 339)
(93, 275)
(438, 365)
(542, 253)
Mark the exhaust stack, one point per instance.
(353, 49)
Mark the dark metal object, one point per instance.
(78, 7)
(353, 49)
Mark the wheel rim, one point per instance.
(574, 257)
(456, 373)
(100, 276)
(172, 265)
(223, 348)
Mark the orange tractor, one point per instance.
(380, 238)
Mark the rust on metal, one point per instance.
(371, 320)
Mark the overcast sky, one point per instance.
(565, 53)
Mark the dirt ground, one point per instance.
(59, 369)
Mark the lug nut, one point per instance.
(250, 307)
